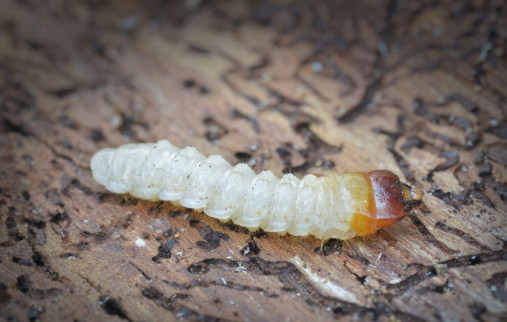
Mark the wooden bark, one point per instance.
(416, 87)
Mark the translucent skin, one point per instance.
(390, 201)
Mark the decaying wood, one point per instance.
(416, 87)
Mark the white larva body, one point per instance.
(160, 171)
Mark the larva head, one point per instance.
(385, 201)
(393, 199)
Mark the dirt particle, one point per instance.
(97, 136)
(413, 141)
(164, 250)
(212, 238)
(474, 260)
(15, 128)
(189, 83)
(215, 130)
(112, 307)
(283, 152)
(485, 169)
(176, 213)
(4, 296)
(22, 261)
(204, 90)
(198, 268)
(477, 309)
(251, 249)
(198, 49)
(452, 159)
(24, 284)
(10, 224)
(243, 157)
(26, 195)
(60, 217)
(331, 246)
(152, 293)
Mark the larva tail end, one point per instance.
(99, 165)
(393, 199)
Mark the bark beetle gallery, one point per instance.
(333, 206)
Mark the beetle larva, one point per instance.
(333, 206)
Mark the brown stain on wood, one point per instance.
(413, 87)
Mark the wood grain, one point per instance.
(416, 87)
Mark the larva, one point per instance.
(333, 206)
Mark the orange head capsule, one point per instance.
(392, 200)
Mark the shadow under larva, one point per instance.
(333, 206)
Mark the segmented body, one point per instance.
(327, 207)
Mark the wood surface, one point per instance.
(416, 87)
